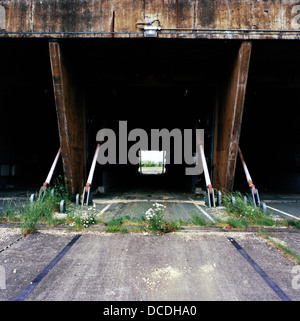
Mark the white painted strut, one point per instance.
(205, 169)
(92, 170)
(48, 179)
(248, 177)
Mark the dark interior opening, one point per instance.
(149, 108)
(156, 84)
(150, 83)
(270, 136)
(29, 137)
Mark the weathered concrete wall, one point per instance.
(242, 19)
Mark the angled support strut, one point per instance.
(254, 196)
(48, 179)
(86, 197)
(210, 196)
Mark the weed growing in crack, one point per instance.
(89, 220)
(156, 221)
(154, 216)
(82, 218)
(115, 225)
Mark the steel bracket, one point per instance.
(86, 196)
(210, 198)
(254, 196)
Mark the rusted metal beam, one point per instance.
(229, 119)
(70, 116)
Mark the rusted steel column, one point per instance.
(229, 119)
(70, 111)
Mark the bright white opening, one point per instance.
(152, 162)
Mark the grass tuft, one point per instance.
(244, 214)
(42, 211)
(198, 220)
(285, 250)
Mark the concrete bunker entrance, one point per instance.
(150, 83)
(170, 83)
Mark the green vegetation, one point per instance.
(240, 215)
(283, 248)
(293, 223)
(9, 215)
(198, 220)
(126, 224)
(156, 221)
(244, 214)
(41, 211)
(116, 225)
(149, 163)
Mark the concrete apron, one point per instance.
(182, 266)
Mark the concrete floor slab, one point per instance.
(175, 210)
(290, 208)
(188, 266)
(179, 206)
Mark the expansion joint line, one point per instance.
(260, 271)
(24, 294)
